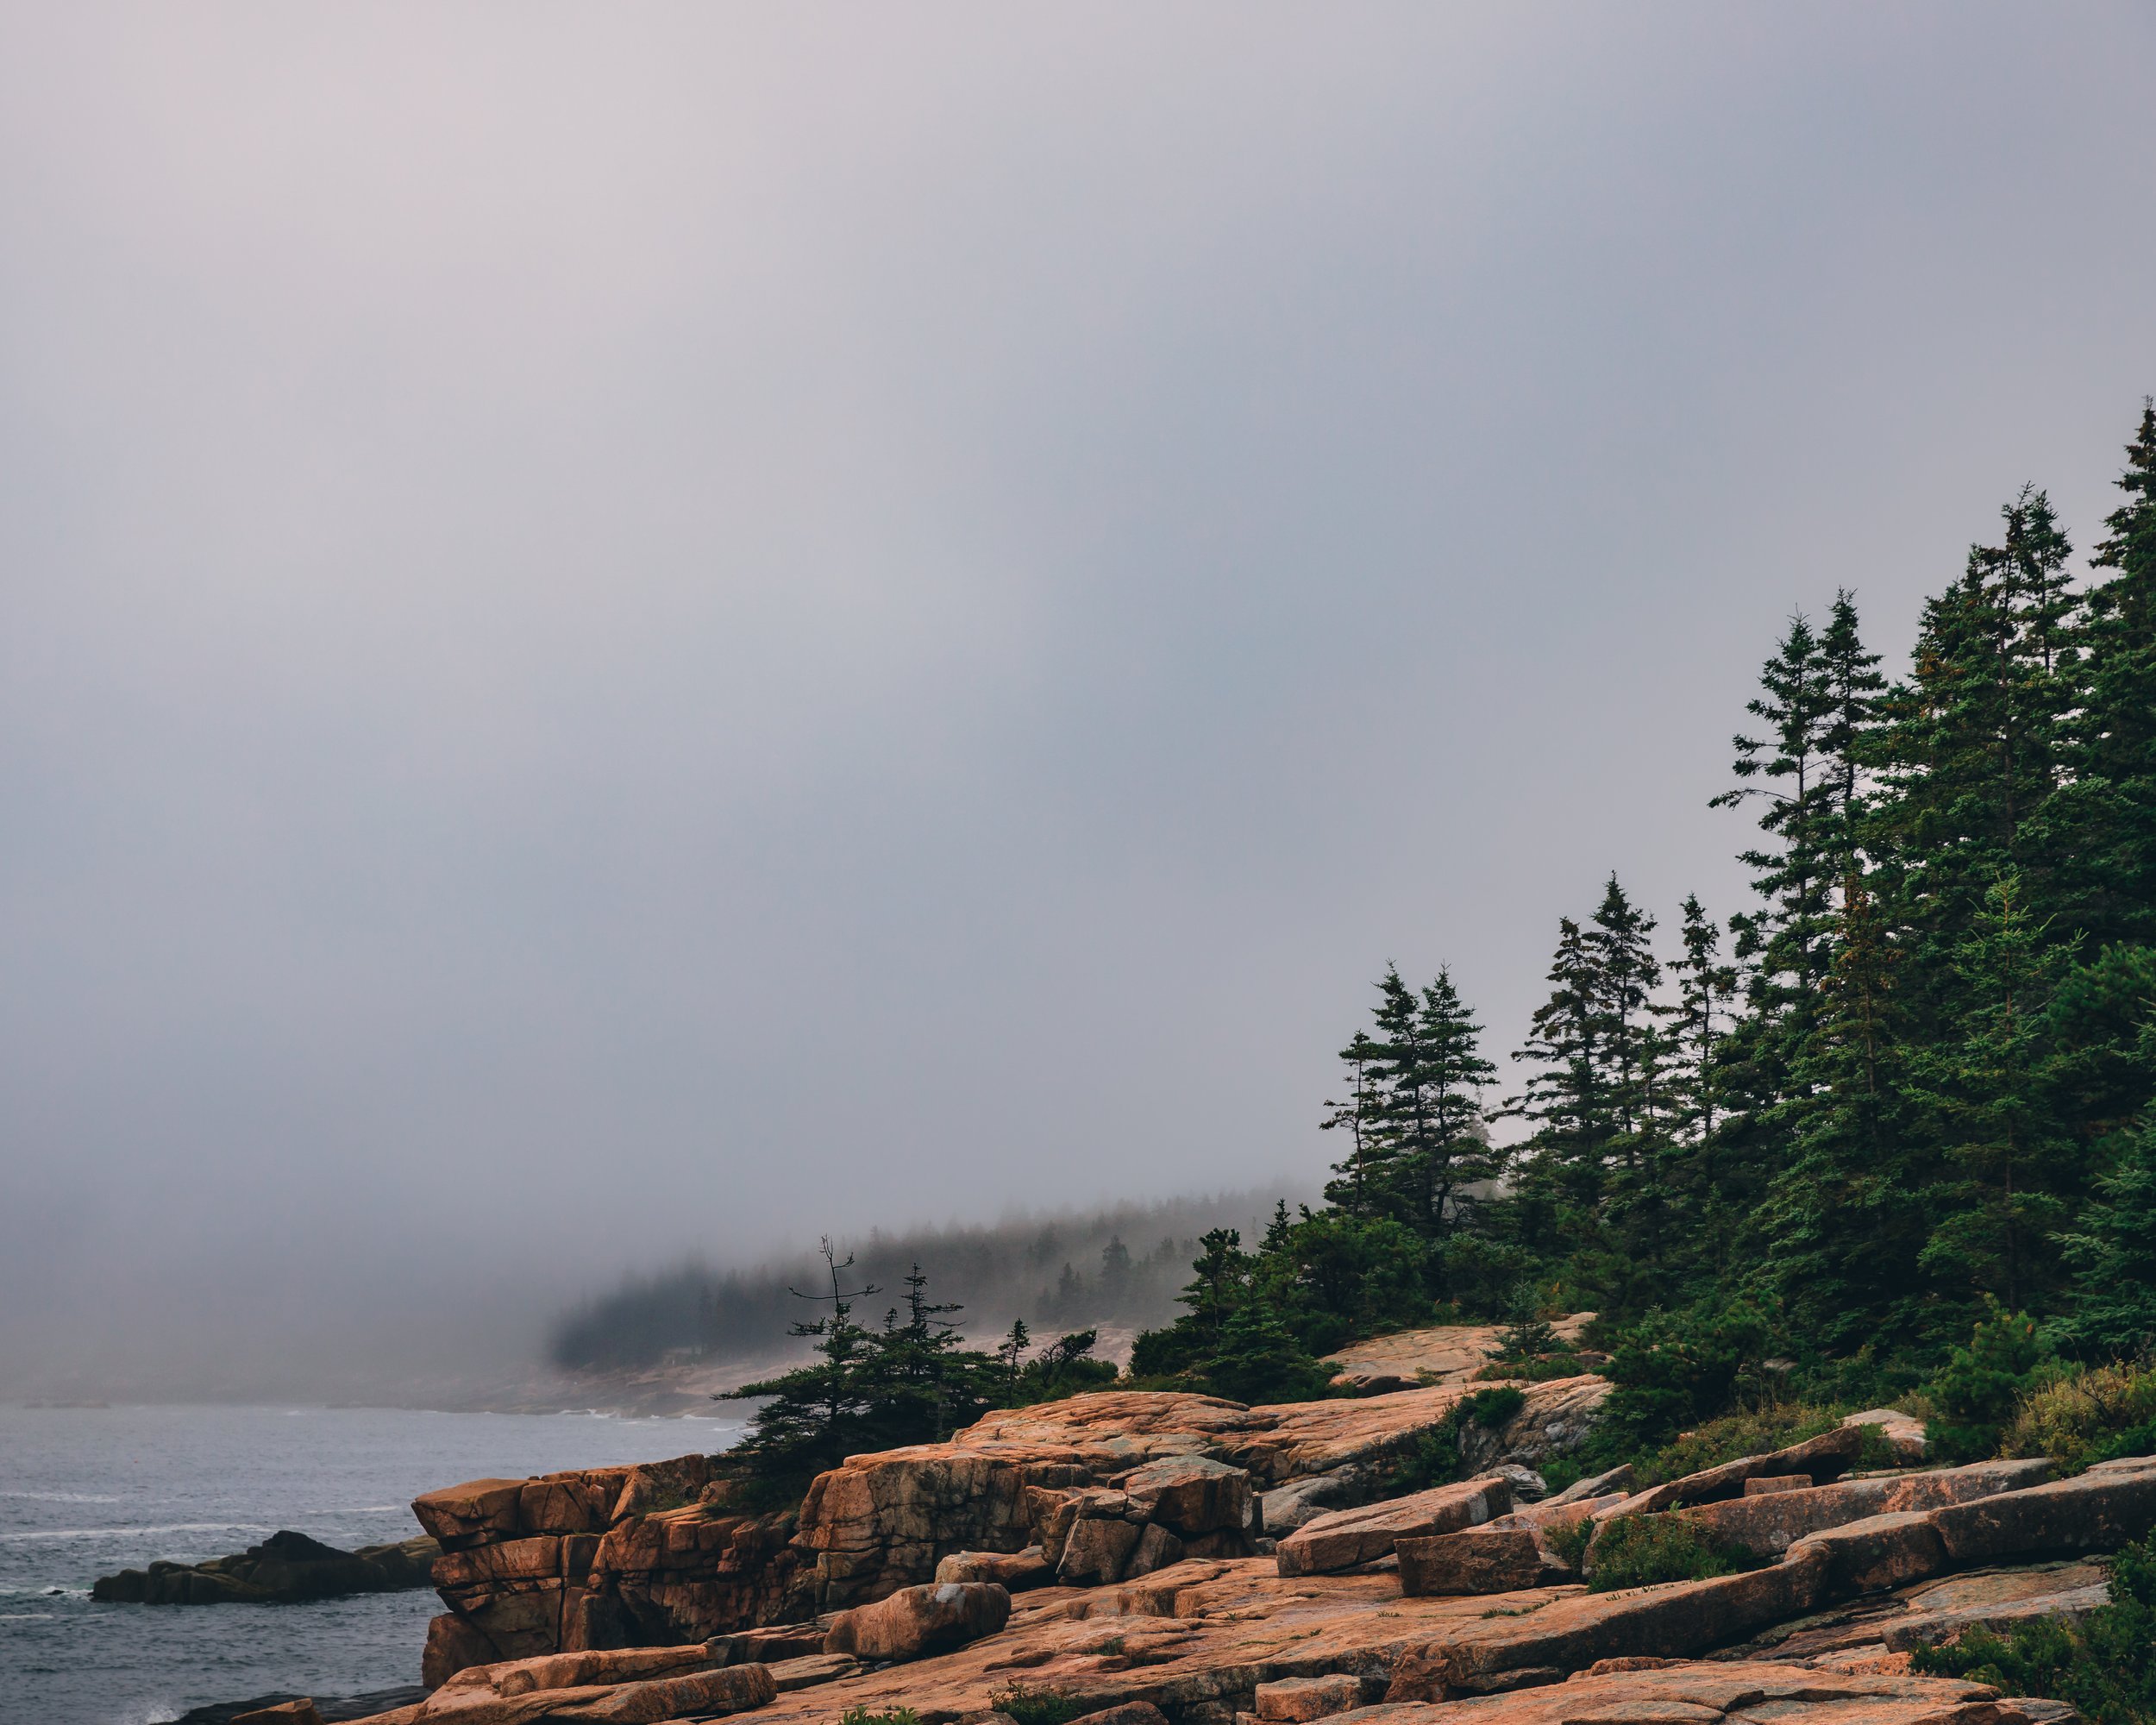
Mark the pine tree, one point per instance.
(1791, 773)
(2111, 749)
(820, 1413)
(1568, 1097)
(1844, 1219)
(1353, 1186)
(1992, 1084)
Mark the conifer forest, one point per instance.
(1881, 1131)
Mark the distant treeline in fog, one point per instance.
(1121, 1266)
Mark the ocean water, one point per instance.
(84, 1491)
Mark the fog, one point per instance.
(637, 631)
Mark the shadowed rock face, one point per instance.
(1350, 1538)
(287, 1568)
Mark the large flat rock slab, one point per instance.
(1448, 1353)
(1350, 1538)
(1707, 1694)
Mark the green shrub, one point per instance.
(2096, 1413)
(1734, 1435)
(1494, 1407)
(1639, 1551)
(1569, 1540)
(1561, 1475)
(1532, 1370)
(1434, 1460)
(2105, 1666)
(1675, 1370)
(1978, 1388)
(895, 1716)
(1036, 1706)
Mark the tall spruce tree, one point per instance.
(2111, 748)
(1993, 1084)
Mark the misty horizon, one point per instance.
(638, 638)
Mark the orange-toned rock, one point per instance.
(917, 1621)
(1766, 1523)
(1702, 1693)
(1294, 1700)
(2099, 1511)
(1348, 1537)
(1013, 1571)
(1477, 1560)
(1765, 1484)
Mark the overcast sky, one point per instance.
(625, 629)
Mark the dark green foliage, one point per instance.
(910, 1381)
(2105, 1666)
(1639, 1551)
(1674, 1369)
(1494, 1407)
(1434, 1460)
(1755, 1432)
(895, 1716)
(1036, 1706)
(1978, 1388)
(1569, 1540)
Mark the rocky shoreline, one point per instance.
(1181, 1558)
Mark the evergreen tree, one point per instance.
(2112, 1254)
(1992, 1084)
(1360, 1117)
(2111, 748)
(1567, 1096)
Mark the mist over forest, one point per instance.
(1120, 1266)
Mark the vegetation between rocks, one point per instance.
(2105, 1666)
(1028, 1706)
(1639, 1551)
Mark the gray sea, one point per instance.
(84, 1491)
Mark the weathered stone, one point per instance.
(738, 1688)
(1351, 1537)
(460, 1516)
(300, 1712)
(1446, 1354)
(1477, 1560)
(1928, 1628)
(1703, 1693)
(1157, 1549)
(2098, 1511)
(1765, 1484)
(916, 1621)
(810, 1669)
(1876, 1553)
(1302, 1500)
(1821, 1458)
(1130, 1713)
(1296, 1699)
(1765, 1524)
(1095, 1550)
(1616, 1479)
(1190, 1494)
(1904, 1432)
(1675, 1619)
(656, 1485)
(1013, 1571)
(287, 1568)
(452, 1645)
(768, 1645)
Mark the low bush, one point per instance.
(1733, 1436)
(1539, 1371)
(1561, 1474)
(1569, 1540)
(1434, 1460)
(1036, 1706)
(1494, 1407)
(1978, 1389)
(2090, 1416)
(1639, 1551)
(895, 1716)
(2105, 1666)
